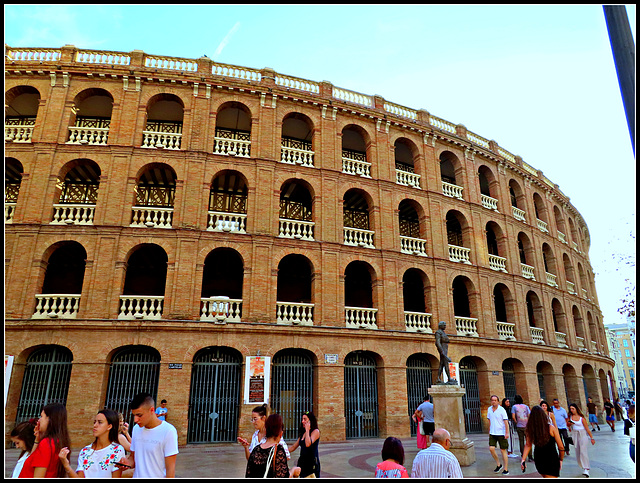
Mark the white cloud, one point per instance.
(226, 40)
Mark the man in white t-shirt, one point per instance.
(154, 443)
(498, 433)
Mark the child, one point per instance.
(24, 438)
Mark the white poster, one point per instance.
(454, 371)
(8, 366)
(256, 380)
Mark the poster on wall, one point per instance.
(8, 366)
(454, 370)
(256, 380)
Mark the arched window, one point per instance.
(360, 395)
(354, 151)
(222, 280)
(233, 130)
(12, 180)
(154, 197)
(144, 284)
(20, 112)
(228, 203)
(295, 291)
(297, 140)
(163, 130)
(355, 216)
(91, 117)
(296, 211)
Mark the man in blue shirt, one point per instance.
(561, 420)
(425, 411)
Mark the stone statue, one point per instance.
(442, 344)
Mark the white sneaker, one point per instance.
(586, 473)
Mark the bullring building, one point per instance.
(167, 218)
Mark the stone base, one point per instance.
(448, 414)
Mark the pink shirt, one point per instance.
(391, 469)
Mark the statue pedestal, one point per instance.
(448, 414)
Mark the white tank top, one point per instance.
(577, 425)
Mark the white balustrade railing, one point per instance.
(226, 70)
(594, 347)
(220, 309)
(413, 246)
(519, 214)
(18, 133)
(489, 202)
(102, 57)
(542, 226)
(580, 342)
(294, 313)
(73, 214)
(442, 124)
(297, 83)
(173, 63)
(506, 331)
(352, 96)
(405, 178)
(232, 147)
(571, 288)
(360, 318)
(161, 140)
(562, 237)
(575, 246)
(51, 306)
(561, 339)
(302, 230)
(37, 55)
(474, 138)
(9, 210)
(358, 238)
(585, 295)
(147, 307)
(356, 167)
(88, 135)
(537, 335)
(551, 279)
(402, 111)
(528, 272)
(301, 157)
(466, 326)
(417, 322)
(227, 222)
(151, 217)
(497, 263)
(459, 254)
(452, 190)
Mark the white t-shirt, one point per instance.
(20, 464)
(255, 442)
(151, 447)
(496, 420)
(99, 463)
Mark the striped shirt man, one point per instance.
(436, 462)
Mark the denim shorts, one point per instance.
(593, 418)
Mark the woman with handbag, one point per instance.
(308, 440)
(579, 431)
(268, 459)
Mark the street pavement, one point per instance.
(358, 459)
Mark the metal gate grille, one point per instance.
(291, 389)
(46, 381)
(586, 391)
(471, 398)
(543, 394)
(215, 396)
(418, 384)
(361, 396)
(509, 380)
(133, 370)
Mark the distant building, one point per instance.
(622, 347)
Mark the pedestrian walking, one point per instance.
(619, 410)
(268, 459)
(561, 423)
(581, 436)
(392, 460)
(520, 415)
(162, 410)
(51, 435)
(498, 434)
(592, 409)
(98, 459)
(609, 416)
(425, 413)
(259, 419)
(506, 404)
(154, 443)
(23, 436)
(437, 461)
(552, 417)
(630, 430)
(421, 438)
(545, 437)
(308, 440)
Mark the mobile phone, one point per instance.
(122, 464)
(524, 466)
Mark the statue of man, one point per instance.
(442, 344)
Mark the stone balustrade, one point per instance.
(301, 157)
(528, 271)
(352, 96)
(497, 263)
(467, 326)
(33, 55)
(18, 131)
(452, 190)
(562, 237)
(542, 226)
(442, 124)
(352, 164)
(417, 322)
(585, 295)
(161, 140)
(360, 318)
(358, 238)
(489, 203)
(537, 335)
(405, 178)
(73, 214)
(146, 307)
(56, 306)
(227, 222)
(302, 230)
(102, 57)
(237, 72)
(580, 343)
(459, 254)
(220, 309)
(291, 82)
(232, 147)
(95, 136)
(294, 313)
(401, 111)
(561, 339)
(551, 279)
(172, 63)
(519, 214)
(571, 288)
(151, 217)
(506, 331)
(9, 210)
(413, 246)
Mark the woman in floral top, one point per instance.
(99, 459)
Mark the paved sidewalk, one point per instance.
(358, 458)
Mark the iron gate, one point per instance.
(471, 397)
(133, 370)
(214, 400)
(543, 394)
(361, 396)
(586, 391)
(46, 381)
(418, 384)
(509, 380)
(291, 389)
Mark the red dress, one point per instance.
(421, 439)
(44, 456)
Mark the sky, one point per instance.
(540, 80)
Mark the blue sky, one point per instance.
(540, 79)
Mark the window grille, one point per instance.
(83, 193)
(356, 218)
(418, 384)
(293, 143)
(294, 210)
(471, 398)
(154, 195)
(361, 396)
(11, 191)
(509, 380)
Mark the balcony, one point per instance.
(296, 152)
(506, 331)
(89, 131)
(542, 226)
(355, 163)
(537, 335)
(162, 135)
(571, 288)
(356, 237)
(151, 217)
(417, 322)
(528, 272)
(562, 237)
(466, 326)
(497, 263)
(73, 214)
(54, 306)
(294, 313)
(551, 280)
(405, 176)
(18, 130)
(301, 230)
(489, 203)
(413, 246)
(145, 307)
(232, 143)
(220, 309)
(580, 343)
(360, 318)
(561, 340)
(452, 190)
(227, 222)
(9, 210)
(459, 254)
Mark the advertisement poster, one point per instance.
(256, 380)
(8, 366)
(454, 370)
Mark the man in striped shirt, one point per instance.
(436, 461)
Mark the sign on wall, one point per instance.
(454, 370)
(8, 366)
(256, 379)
